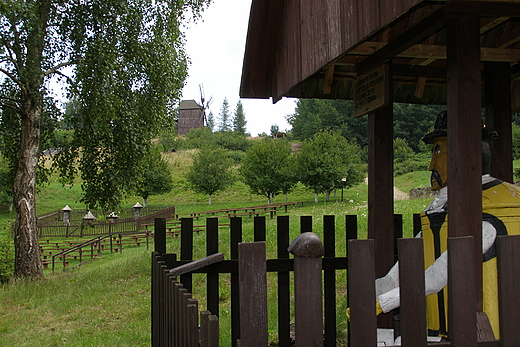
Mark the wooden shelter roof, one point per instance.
(316, 48)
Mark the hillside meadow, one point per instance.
(107, 302)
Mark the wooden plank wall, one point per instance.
(314, 32)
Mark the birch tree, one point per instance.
(123, 60)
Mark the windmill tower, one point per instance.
(191, 114)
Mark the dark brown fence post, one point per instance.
(209, 334)
(398, 232)
(160, 235)
(329, 281)
(351, 234)
(284, 301)
(259, 228)
(187, 249)
(305, 224)
(236, 238)
(308, 250)
(193, 322)
(413, 303)
(155, 300)
(212, 279)
(462, 296)
(252, 273)
(351, 226)
(508, 259)
(362, 293)
(416, 224)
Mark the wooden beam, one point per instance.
(416, 70)
(329, 77)
(484, 8)
(421, 80)
(419, 32)
(493, 23)
(432, 52)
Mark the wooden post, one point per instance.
(497, 82)
(465, 134)
(308, 250)
(187, 249)
(212, 278)
(160, 235)
(305, 224)
(252, 273)
(508, 263)
(329, 281)
(236, 238)
(462, 313)
(284, 285)
(209, 336)
(362, 293)
(413, 302)
(381, 187)
(381, 193)
(193, 322)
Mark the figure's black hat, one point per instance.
(439, 129)
(441, 126)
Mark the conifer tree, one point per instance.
(210, 121)
(224, 116)
(239, 120)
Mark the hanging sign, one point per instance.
(372, 91)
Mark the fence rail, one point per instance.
(361, 275)
(52, 224)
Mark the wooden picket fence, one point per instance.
(248, 288)
(175, 315)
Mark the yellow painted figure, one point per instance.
(501, 216)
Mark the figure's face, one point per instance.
(439, 163)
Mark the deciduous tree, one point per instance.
(268, 168)
(156, 177)
(211, 172)
(325, 159)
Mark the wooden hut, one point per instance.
(462, 54)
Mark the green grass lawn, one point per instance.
(104, 303)
(107, 302)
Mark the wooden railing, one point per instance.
(51, 225)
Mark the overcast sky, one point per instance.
(215, 46)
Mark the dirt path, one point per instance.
(398, 194)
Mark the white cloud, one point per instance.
(215, 46)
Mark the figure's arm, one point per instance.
(436, 276)
(391, 279)
(388, 282)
